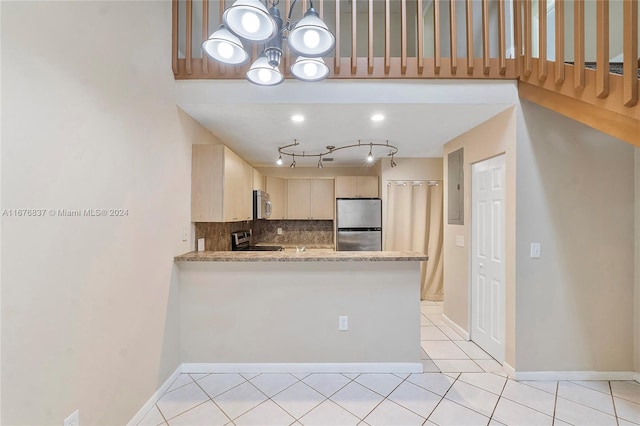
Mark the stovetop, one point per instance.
(240, 241)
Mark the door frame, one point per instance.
(469, 247)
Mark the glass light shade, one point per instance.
(309, 69)
(263, 74)
(225, 47)
(250, 19)
(311, 37)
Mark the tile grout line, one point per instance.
(297, 419)
(214, 403)
(498, 401)
(593, 389)
(613, 402)
(384, 398)
(442, 397)
(555, 403)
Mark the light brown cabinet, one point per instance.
(357, 187)
(258, 180)
(277, 188)
(221, 185)
(310, 199)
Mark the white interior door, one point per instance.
(487, 256)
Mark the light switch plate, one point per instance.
(535, 250)
(460, 240)
(279, 231)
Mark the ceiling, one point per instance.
(419, 118)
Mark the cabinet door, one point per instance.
(207, 163)
(322, 198)
(298, 199)
(277, 189)
(233, 187)
(346, 186)
(258, 180)
(247, 191)
(367, 186)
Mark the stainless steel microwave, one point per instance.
(261, 205)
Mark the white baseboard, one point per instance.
(465, 335)
(137, 418)
(511, 372)
(349, 367)
(637, 378)
(572, 375)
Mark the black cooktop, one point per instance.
(240, 241)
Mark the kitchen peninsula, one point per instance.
(270, 311)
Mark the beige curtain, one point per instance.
(414, 222)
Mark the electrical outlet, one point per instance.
(535, 250)
(73, 419)
(460, 241)
(343, 323)
(279, 231)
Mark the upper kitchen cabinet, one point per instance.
(258, 181)
(357, 187)
(310, 199)
(277, 188)
(221, 185)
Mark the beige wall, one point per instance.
(575, 197)
(89, 304)
(255, 311)
(495, 136)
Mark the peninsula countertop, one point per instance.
(310, 255)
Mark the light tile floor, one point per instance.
(462, 385)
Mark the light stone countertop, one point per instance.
(310, 255)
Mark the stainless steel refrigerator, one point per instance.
(359, 224)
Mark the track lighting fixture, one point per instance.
(330, 149)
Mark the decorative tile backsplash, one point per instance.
(217, 236)
(293, 231)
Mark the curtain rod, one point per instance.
(430, 182)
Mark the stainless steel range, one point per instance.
(241, 241)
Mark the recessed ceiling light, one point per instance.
(297, 118)
(377, 117)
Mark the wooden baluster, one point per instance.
(528, 62)
(174, 36)
(354, 37)
(437, 56)
(222, 67)
(370, 39)
(336, 59)
(542, 40)
(517, 10)
(559, 65)
(189, 36)
(502, 45)
(452, 36)
(630, 52)
(470, 55)
(420, 36)
(205, 34)
(578, 44)
(602, 48)
(486, 63)
(387, 36)
(403, 37)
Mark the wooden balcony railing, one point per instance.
(558, 50)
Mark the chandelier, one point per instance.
(249, 20)
(330, 149)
